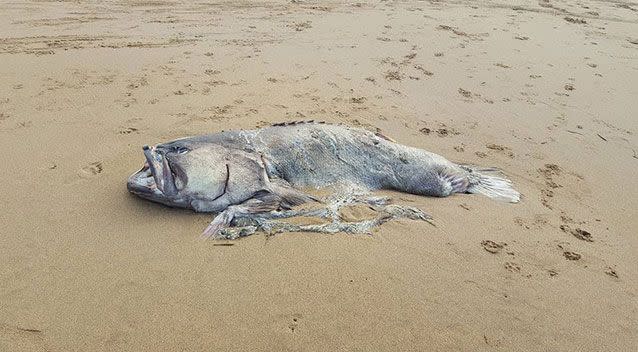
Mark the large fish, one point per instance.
(256, 172)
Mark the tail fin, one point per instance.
(489, 182)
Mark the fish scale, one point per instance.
(239, 173)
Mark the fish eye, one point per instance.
(179, 150)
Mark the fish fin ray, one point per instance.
(290, 196)
(261, 202)
(221, 221)
(491, 183)
(457, 180)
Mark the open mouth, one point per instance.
(155, 177)
(143, 182)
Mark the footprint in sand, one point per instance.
(549, 171)
(24, 124)
(571, 255)
(568, 253)
(441, 131)
(393, 76)
(500, 148)
(137, 82)
(513, 267)
(295, 322)
(92, 169)
(611, 272)
(128, 130)
(423, 70)
(574, 20)
(465, 93)
(493, 247)
(538, 222)
(578, 233)
(468, 95)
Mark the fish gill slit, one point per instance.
(225, 183)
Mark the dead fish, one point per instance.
(257, 172)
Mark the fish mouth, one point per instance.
(142, 182)
(155, 180)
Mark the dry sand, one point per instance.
(547, 91)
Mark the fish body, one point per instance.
(268, 166)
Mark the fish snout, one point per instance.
(141, 182)
(160, 170)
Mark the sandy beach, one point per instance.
(545, 90)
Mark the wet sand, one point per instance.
(543, 90)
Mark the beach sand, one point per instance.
(545, 90)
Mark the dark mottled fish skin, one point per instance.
(245, 173)
(309, 154)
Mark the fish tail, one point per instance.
(489, 182)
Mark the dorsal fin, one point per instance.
(294, 123)
(378, 132)
(381, 135)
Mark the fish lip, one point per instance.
(177, 173)
(154, 165)
(142, 182)
(160, 169)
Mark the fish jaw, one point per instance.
(169, 187)
(153, 161)
(161, 171)
(143, 184)
(155, 181)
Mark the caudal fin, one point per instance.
(489, 182)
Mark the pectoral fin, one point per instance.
(222, 220)
(290, 196)
(279, 195)
(262, 202)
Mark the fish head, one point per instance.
(176, 174)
